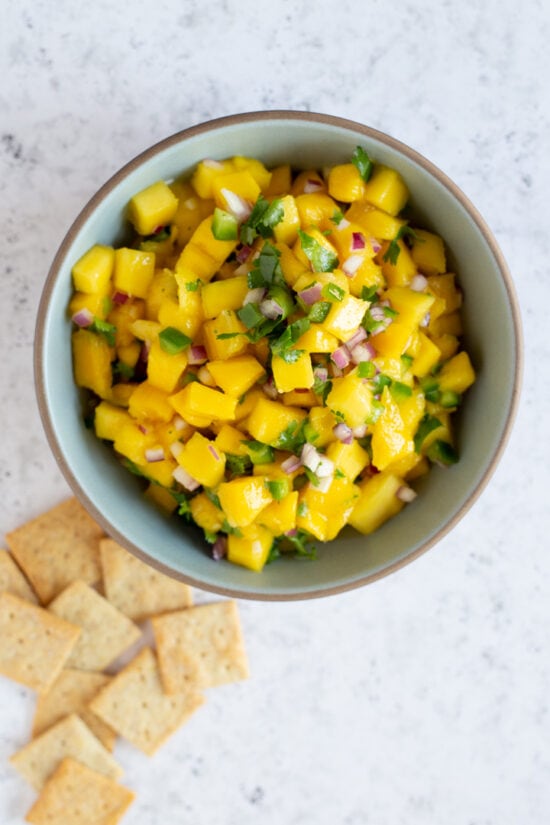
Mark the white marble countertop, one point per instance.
(424, 698)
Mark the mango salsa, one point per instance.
(277, 353)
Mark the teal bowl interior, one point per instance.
(492, 337)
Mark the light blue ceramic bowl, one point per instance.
(492, 337)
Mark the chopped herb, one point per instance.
(302, 544)
(333, 291)
(369, 293)
(279, 488)
(302, 509)
(449, 399)
(428, 423)
(223, 336)
(125, 371)
(364, 164)
(321, 388)
(210, 536)
(282, 346)
(366, 369)
(259, 452)
(173, 341)
(338, 473)
(192, 286)
(380, 381)
(182, 500)
(266, 269)
(376, 410)
(250, 315)
(292, 438)
(224, 225)
(274, 553)
(322, 259)
(237, 465)
(230, 530)
(392, 252)
(441, 452)
(189, 377)
(262, 219)
(162, 235)
(211, 496)
(319, 311)
(312, 477)
(407, 361)
(104, 328)
(337, 217)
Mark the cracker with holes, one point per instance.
(135, 705)
(202, 645)
(71, 692)
(58, 547)
(13, 580)
(34, 644)
(37, 760)
(136, 589)
(106, 632)
(77, 795)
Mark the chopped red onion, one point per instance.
(359, 335)
(292, 533)
(270, 389)
(312, 185)
(312, 294)
(271, 309)
(196, 354)
(182, 476)
(219, 548)
(239, 208)
(243, 253)
(362, 352)
(425, 320)
(357, 240)
(214, 452)
(321, 374)
(406, 494)
(352, 264)
(143, 429)
(343, 433)
(291, 464)
(175, 448)
(154, 454)
(83, 318)
(340, 357)
(418, 283)
(120, 297)
(360, 431)
(254, 296)
(344, 223)
(376, 246)
(377, 313)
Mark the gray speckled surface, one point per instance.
(424, 698)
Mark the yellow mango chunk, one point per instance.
(231, 441)
(374, 221)
(350, 400)
(377, 502)
(97, 304)
(317, 339)
(403, 270)
(92, 272)
(160, 471)
(280, 516)
(202, 460)
(92, 358)
(259, 172)
(204, 239)
(149, 402)
(428, 252)
(320, 426)
(206, 172)
(236, 375)
(350, 459)
(165, 370)
(108, 419)
(195, 260)
(325, 514)
(286, 230)
(171, 314)
(445, 288)
(153, 207)
(205, 513)
(191, 210)
(133, 271)
(457, 374)
(412, 306)
(427, 356)
(242, 499)
(196, 399)
(345, 317)
(269, 419)
(280, 181)
(368, 275)
(219, 295)
(387, 190)
(392, 341)
(240, 183)
(390, 437)
(161, 497)
(291, 266)
(316, 209)
(290, 376)
(132, 440)
(220, 348)
(345, 183)
(251, 548)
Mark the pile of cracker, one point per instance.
(72, 603)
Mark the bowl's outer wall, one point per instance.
(492, 338)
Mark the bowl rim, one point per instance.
(202, 128)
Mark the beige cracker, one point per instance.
(13, 580)
(34, 644)
(58, 547)
(78, 795)
(135, 705)
(37, 760)
(70, 693)
(136, 589)
(106, 632)
(202, 645)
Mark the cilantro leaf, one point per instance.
(319, 311)
(266, 269)
(262, 219)
(237, 465)
(322, 259)
(337, 217)
(362, 162)
(427, 424)
(282, 346)
(104, 328)
(292, 438)
(393, 251)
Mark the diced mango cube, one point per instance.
(377, 502)
(236, 375)
(165, 370)
(428, 252)
(350, 399)
(219, 295)
(374, 221)
(317, 339)
(287, 229)
(149, 402)
(280, 516)
(391, 439)
(92, 358)
(196, 399)
(97, 304)
(350, 459)
(387, 190)
(345, 317)
(457, 374)
(316, 209)
(427, 356)
(240, 183)
(269, 419)
(108, 419)
(131, 441)
(219, 347)
(345, 183)
(251, 548)
(403, 270)
(259, 172)
(231, 440)
(92, 272)
(153, 207)
(133, 271)
(206, 172)
(243, 499)
(444, 287)
(202, 460)
(293, 375)
(325, 514)
(205, 513)
(280, 181)
(320, 426)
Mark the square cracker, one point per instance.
(70, 693)
(78, 795)
(106, 632)
(135, 705)
(136, 589)
(34, 644)
(58, 547)
(202, 645)
(13, 580)
(38, 759)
